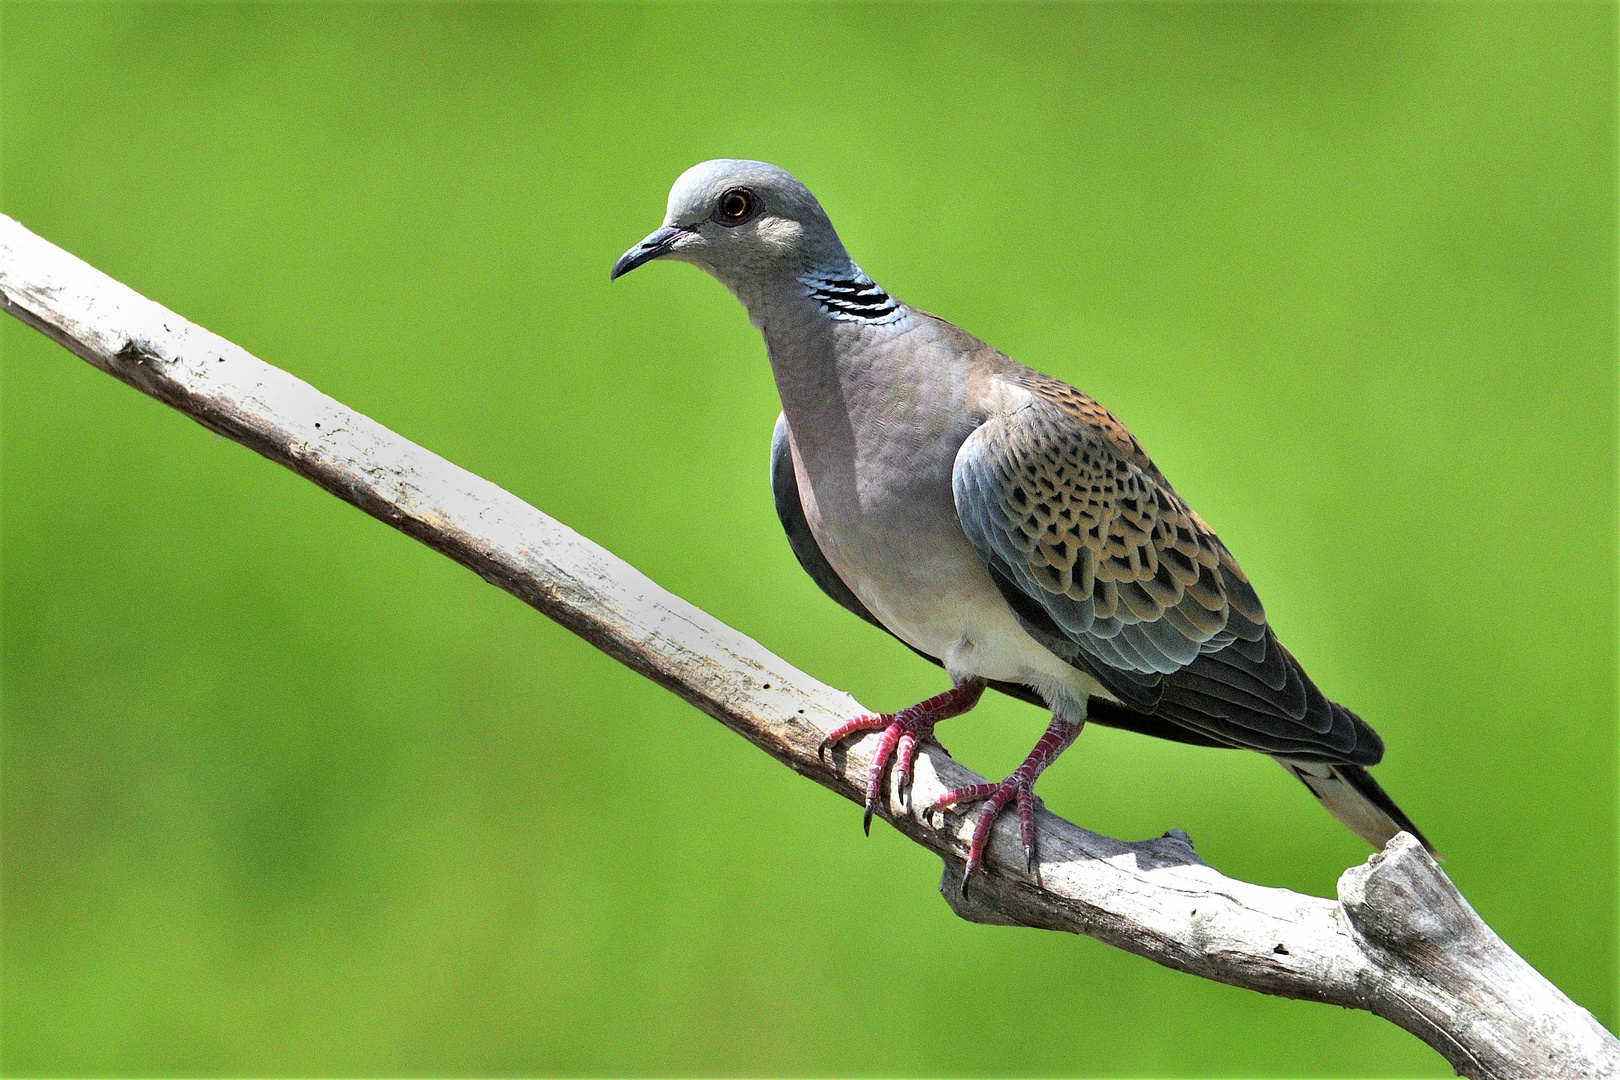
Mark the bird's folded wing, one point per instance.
(1108, 567)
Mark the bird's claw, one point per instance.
(869, 722)
(902, 733)
(1015, 789)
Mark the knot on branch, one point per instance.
(137, 350)
(966, 904)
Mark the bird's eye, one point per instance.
(734, 207)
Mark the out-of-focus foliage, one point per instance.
(284, 792)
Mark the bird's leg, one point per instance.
(1017, 787)
(902, 731)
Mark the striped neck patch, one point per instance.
(856, 298)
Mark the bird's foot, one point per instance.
(902, 732)
(1018, 789)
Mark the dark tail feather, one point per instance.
(1354, 797)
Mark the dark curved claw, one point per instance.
(1017, 788)
(902, 733)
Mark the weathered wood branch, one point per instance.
(1400, 941)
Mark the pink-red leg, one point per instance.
(902, 732)
(1016, 788)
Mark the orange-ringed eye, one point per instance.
(734, 204)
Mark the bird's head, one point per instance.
(740, 220)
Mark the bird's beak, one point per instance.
(656, 245)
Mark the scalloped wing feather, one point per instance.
(1067, 499)
(1106, 565)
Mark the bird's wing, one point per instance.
(790, 509)
(1105, 565)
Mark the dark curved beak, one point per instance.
(654, 246)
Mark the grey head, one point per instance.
(746, 223)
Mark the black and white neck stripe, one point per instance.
(856, 298)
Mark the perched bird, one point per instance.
(999, 522)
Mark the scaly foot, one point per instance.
(1016, 788)
(902, 731)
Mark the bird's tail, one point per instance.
(1354, 797)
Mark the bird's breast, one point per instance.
(883, 513)
(875, 419)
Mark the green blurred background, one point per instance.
(285, 792)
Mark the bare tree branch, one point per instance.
(1400, 941)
